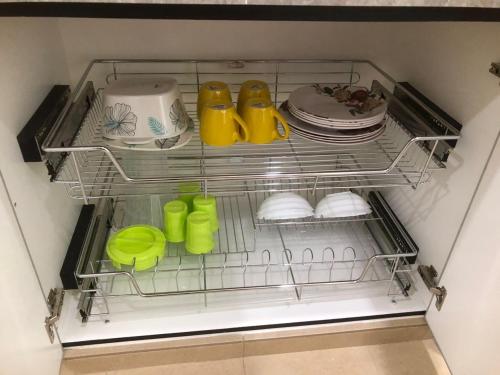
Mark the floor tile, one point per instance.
(352, 361)
(335, 340)
(222, 367)
(155, 359)
(405, 358)
(436, 357)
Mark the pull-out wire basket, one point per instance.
(288, 261)
(405, 155)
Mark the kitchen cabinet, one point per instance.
(451, 217)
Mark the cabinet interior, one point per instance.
(424, 54)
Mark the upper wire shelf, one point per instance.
(91, 169)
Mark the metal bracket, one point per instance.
(69, 127)
(55, 302)
(429, 274)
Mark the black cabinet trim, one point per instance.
(241, 329)
(249, 12)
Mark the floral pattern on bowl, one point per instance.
(119, 120)
(178, 115)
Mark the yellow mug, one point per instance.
(212, 90)
(220, 124)
(252, 89)
(262, 118)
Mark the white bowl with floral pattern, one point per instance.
(138, 111)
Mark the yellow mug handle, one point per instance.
(243, 126)
(283, 122)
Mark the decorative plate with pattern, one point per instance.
(337, 104)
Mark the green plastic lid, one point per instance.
(142, 243)
(175, 206)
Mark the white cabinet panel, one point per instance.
(467, 328)
(24, 345)
(32, 60)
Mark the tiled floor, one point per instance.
(398, 350)
(407, 358)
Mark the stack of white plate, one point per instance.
(314, 113)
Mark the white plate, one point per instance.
(344, 122)
(311, 100)
(340, 139)
(335, 124)
(344, 137)
(338, 125)
(360, 136)
(311, 131)
(338, 142)
(158, 144)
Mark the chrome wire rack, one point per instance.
(236, 226)
(290, 259)
(92, 169)
(285, 270)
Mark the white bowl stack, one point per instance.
(283, 206)
(345, 204)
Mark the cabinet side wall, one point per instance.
(32, 61)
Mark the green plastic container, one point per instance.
(199, 237)
(188, 190)
(144, 243)
(208, 205)
(174, 216)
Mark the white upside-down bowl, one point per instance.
(283, 206)
(342, 205)
(138, 111)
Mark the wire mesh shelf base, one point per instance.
(283, 268)
(236, 233)
(96, 170)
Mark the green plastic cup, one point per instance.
(175, 214)
(208, 205)
(199, 237)
(188, 191)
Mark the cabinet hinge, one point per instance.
(55, 302)
(429, 275)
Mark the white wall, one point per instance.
(447, 61)
(32, 60)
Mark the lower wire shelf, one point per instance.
(290, 260)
